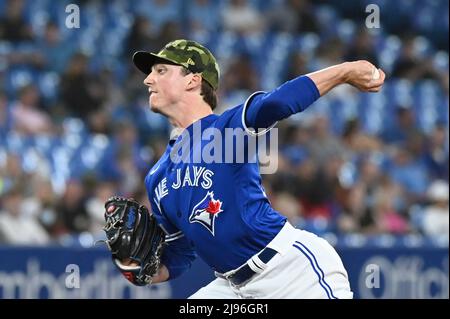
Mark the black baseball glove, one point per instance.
(133, 235)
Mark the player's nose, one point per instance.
(149, 80)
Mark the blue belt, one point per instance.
(245, 272)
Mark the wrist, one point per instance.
(344, 72)
(162, 275)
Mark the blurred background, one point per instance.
(369, 172)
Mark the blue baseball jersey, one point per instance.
(220, 208)
(219, 211)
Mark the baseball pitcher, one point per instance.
(217, 209)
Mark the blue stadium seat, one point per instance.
(372, 113)
(388, 49)
(2, 6)
(18, 77)
(328, 19)
(426, 102)
(306, 43)
(15, 143)
(48, 83)
(225, 45)
(440, 60)
(88, 156)
(276, 51)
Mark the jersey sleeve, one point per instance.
(178, 254)
(262, 110)
(172, 232)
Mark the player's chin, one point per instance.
(153, 106)
(158, 105)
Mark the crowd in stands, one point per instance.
(75, 126)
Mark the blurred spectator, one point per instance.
(160, 12)
(99, 122)
(240, 17)
(123, 159)
(170, 30)
(363, 48)
(408, 172)
(140, 37)
(289, 206)
(297, 66)
(356, 216)
(130, 176)
(16, 227)
(28, 119)
(403, 129)
(388, 219)
(314, 189)
(292, 16)
(295, 141)
(13, 26)
(133, 86)
(54, 51)
(202, 16)
(11, 173)
(358, 200)
(95, 206)
(436, 153)
(80, 93)
(282, 181)
(329, 52)
(411, 66)
(5, 114)
(240, 80)
(241, 75)
(436, 215)
(357, 142)
(140, 195)
(40, 205)
(323, 145)
(111, 95)
(72, 209)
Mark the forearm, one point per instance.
(296, 95)
(328, 78)
(361, 74)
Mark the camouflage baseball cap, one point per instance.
(190, 54)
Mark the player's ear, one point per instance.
(195, 81)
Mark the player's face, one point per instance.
(166, 84)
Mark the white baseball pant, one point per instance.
(305, 267)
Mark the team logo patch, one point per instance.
(206, 212)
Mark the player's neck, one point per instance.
(188, 113)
